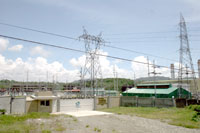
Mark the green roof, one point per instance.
(152, 84)
(151, 91)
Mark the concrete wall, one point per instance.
(31, 106)
(114, 101)
(100, 102)
(165, 102)
(128, 101)
(17, 105)
(5, 103)
(69, 105)
(45, 108)
(147, 102)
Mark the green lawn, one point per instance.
(185, 117)
(33, 122)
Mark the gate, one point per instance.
(70, 105)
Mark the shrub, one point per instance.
(2, 111)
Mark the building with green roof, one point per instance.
(157, 90)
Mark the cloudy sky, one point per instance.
(149, 27)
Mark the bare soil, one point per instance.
(106, 124)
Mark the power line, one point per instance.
(81, 51)
(135, 33)
(39, 31)
(110, 46)
(139, 52)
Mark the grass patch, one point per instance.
(87, 126)
(184, 117)
(17, 123)
(60, 128)
(97, 129)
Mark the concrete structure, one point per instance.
(13, 105)
(157, 90)
(129, 101)
(43, 101)
(147, 101)
(172, 71)
(106, 102)
(70, 105)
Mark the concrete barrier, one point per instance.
(164, 102)
(114, 101)
(19, 105)
(5, 103)
(145, 102)
(101, 102)
(129, 101)
(15, 105)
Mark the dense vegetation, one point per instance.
(107, 83)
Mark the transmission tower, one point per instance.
(185, 58)
(92, 64)
(154, 77)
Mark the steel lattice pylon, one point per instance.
(185, 59)
(92, 64)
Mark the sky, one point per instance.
(149, 27)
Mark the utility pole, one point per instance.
(92, 64)
(155, 73)
(47, 80)
(148, 66)
(185, 58)
(27, 74)
(117, 81)
(172, 72)
(114, 75)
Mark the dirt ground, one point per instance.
(108, 124)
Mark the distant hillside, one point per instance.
(108, 83)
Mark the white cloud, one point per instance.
(3, 44)
(16, 48)
(37, 69)
(141, 70)
(80, 62)
(38, 50)
(106, 66)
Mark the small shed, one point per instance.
(157, 90)
(43, 101)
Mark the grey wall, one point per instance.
(116, 101)
(69, 105)
(5, 103)
(147, 102)
(17, 106)
(98, 102)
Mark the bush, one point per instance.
(2, 111)
(196, 117)
(194, 108)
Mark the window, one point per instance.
(45, 103)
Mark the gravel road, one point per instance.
(130, 124)
(111, 123)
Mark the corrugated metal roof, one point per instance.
(152, 84)
(151, 91)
